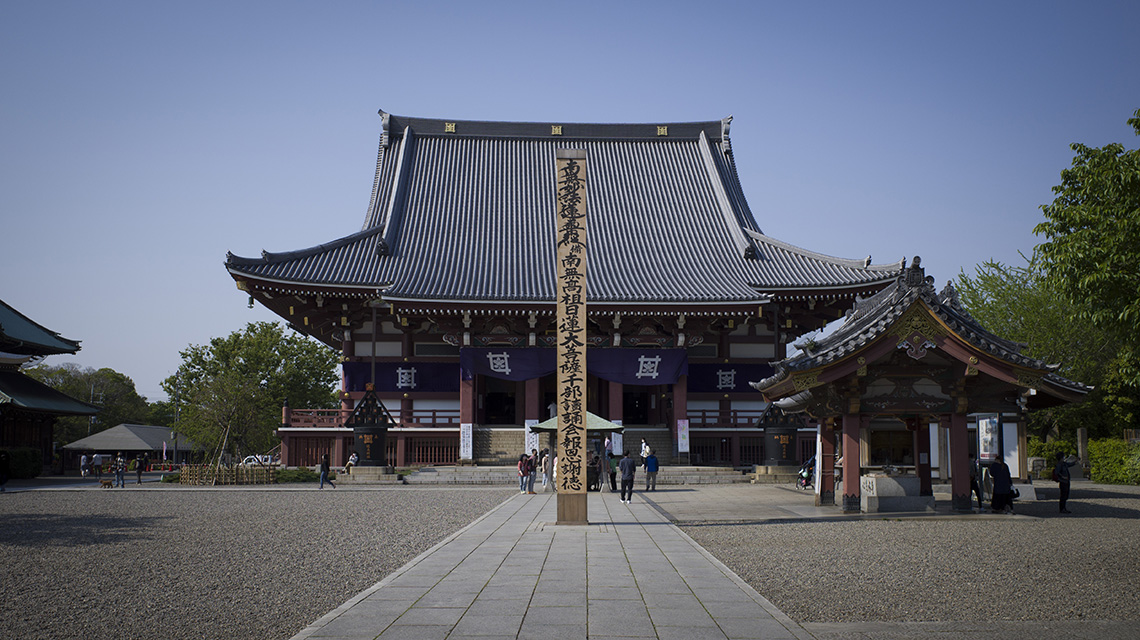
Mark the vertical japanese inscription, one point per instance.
(571, 302)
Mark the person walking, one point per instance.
(532, 471)
(119, 466)
(651, 471)
(628, 467)
(1003, 487)
(975, 486)
(644, 449)
(1062, 477)
(140, 466)
(325, 468)
(613, 463)
(547, 467)
(523, 472)
(84, 465)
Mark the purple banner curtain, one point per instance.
(638, 366)
(726, 378)
(627, 366)
(403, 376)
(506, 363)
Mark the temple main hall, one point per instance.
(444, 301)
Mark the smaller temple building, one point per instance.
(29, 408)
(905, 359)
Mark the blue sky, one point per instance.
(142, 141)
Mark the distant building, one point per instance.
(447, 292)
(29, 408)
(157, 443)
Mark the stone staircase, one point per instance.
(368, 475)
(508, 476)
(762, 474)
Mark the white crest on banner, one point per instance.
(500, 362)
(726, 379)
(647, 366)
(406, 378)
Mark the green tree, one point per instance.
(112, 391)
(1022, 304)
(1092, 248)
(229, 392)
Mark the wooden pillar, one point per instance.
(959, 461)
(467, 400)
(851, 457)
(680, 402)
(735, 450)
(922, 456)
(401, 451)
(617, 402)
(825, 458)
(532, 400)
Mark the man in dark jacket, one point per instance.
(1061, 475)
(628, 466)
(651, 471)
(1003, 487)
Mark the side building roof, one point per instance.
(21, 335)
(463, 211)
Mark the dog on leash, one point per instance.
(105, 484)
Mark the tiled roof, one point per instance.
(874, 316)
(20, 335)
(23, 392)
(469, 216)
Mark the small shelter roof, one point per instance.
(910, 315)
(132, 437)
(24, 392)
(596, 424)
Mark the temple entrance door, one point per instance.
(635, 407)
(499, 401)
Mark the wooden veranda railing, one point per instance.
(335, 418)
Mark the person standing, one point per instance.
(1003, 487)
(97, 465)
(650, 471)
(547, 467)
(613, 463)
(975, 486)
(1062, 477)
(532, 471)
(644, 449)
(325, 473)
(119, 466)
(523, 473)
(628, 467)
(84, 465)
(140, 466)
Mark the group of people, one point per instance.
(1003, 491)
(530, 466)
(92, 465)
(598, 470)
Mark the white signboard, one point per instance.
(531, 436)
(683, 436)
(615, 439)
(987, 437)
(817, 470)
(466, 441)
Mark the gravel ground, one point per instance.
(201, 563)
(1084, 566)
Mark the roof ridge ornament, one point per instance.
(385, 121)
(915, 275)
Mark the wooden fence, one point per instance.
(209, 474)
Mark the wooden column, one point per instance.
(825, 458)
(570, 292)
(533, 401)
(922, 452)
(959, 464)
(680, 402)
(467, 400)
(617, 402)
(851, 456)
(401, 451)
